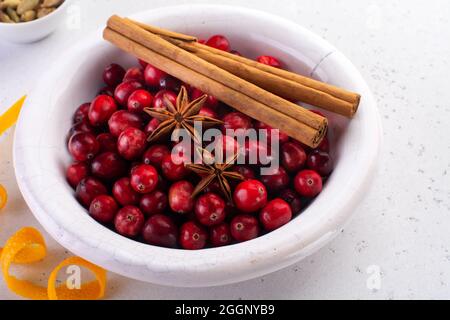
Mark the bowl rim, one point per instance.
(193, 262)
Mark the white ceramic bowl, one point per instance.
(28, 32)
(40, 155)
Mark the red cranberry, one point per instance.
(227, 145)
(82, 126)
(134, 73)
(270, 61)
(321, 162)
(324, 145)
(180, 197)
(107, 142)
(124, 193)
(246, 171)
(276, 179)
(125, 89)
(250, 196)
(213, 187)
(101, 109)
(211, 101)
(220, 235)
(139, 100)
(103, 208)
(108, 91)
(208, 112)
(192, 236)
(159, 102)
(293, 199)
(155, 155)
(129, 221)
(82, 113)
(160, 230)
(172, 166)
(123, 119)
(293, 157)
(256, 152)
(76, 172)
(151, 126)
(282, 137)
(308, 183)
(168, 82)
(108, 165)
(144, 178)
(152, 76)
(153, 203)
(142, 63)
(131, 143)
(210, 209)
(83, 146)
(244, 227)
(88, 189)
(219, 42)
(113, 74)
(275, 214)
(236, 121)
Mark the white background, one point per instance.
(402, 48)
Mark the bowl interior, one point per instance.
(41, 155)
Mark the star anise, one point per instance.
(210, 171)
(181, 115)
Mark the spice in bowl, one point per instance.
(18, 11)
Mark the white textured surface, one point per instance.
(402, 226)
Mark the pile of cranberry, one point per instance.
(138, 189)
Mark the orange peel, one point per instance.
(11, 115)
(3, 197)
(28, 246)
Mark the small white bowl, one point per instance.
(32, 31)
(40, 154)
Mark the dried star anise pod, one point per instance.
(182, 115)
(210, 171)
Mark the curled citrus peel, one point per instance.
(28, 246)
(10, 116)
(3, 197)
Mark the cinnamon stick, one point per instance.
(165, 48)
(246, 104)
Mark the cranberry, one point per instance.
(321, 162)
(82, 113)
(246, 171)
(192, 236)
(124, 91)
(131, 143)
(124, 193)
(88, 189)
(270, 61)
(167, 82)
(172, 166)
(155, 155)
(107, 142)
(208, 112)
(324, 145)
(134, 73)
(144, 178)
(282, 137)
(81, 126)
(159, 101)
(244, 227)
(83, 146)
(123, 119)
(210, 209)
(256, 152)
(139, 100)
(236, 121)
(211, 101)
(113, 74)
(250, 196)
(180, 197)
(103, 208)
(153, 203)
(308, 183)
(293, 156)
(76, 172)
(109, 166)
(109, 91)
(213, 187)
(293, 199)
(160, 230)
(142, 63)
(129, 221)
(276, 179)
(220, 235)
(101, 109)
(227, 145)
(219, 42)
(152, 75)
(275, 214)
(151, 126)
